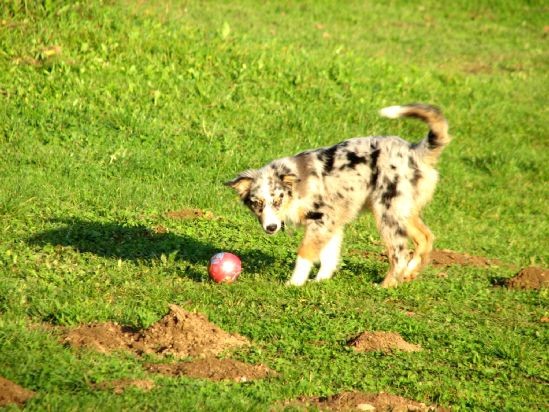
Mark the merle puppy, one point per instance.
(324, 189)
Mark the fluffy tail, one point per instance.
(430, 147)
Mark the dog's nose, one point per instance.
(271, 228)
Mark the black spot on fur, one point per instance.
(327, 157)
(314, 215)
(247, 201)
(389, 220)
(340, 195)
(373, 166)
(401, 231)
(354, 160)
(390, 193)
(432, 140)
(417, 173)
(393, 167)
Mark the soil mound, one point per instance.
(213, 369)
(529, 278)
(179, 334)
(187, 214)
(386, 342)
(448, 257)
(12, 393)
(359, 401)
(101, 337)
(119, 386)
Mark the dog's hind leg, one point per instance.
(395, 236)
(423, 242)
(329, 256)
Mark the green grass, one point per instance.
(114, 113)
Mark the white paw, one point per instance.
(323, 276)
(295, 282)
(301, 272)
(317, 279)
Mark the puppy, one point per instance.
(324, 189)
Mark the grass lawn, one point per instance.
(115, 113)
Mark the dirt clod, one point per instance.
(179, 334)
(529, 278)
(359, 401)
(11, 393)
(120, 385)
(213, 369)
(386, 342)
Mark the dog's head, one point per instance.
(267, 192)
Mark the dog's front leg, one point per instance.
(307, 255)
(329, 257)
(321, 243)
(301, 271)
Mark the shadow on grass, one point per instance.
(140, 243)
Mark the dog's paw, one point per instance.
(409, 277)
(321, 278)
(389, 282)
(293, 282)
(318, 280)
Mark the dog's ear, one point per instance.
(289, 180)
(242, 182)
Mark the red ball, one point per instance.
(224, 267)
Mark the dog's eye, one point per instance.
(257, 204)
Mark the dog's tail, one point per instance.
(430, 147)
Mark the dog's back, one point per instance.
(373, 172)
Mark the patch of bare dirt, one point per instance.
(529, 278)
(441, 258)
(369, 254)
(11, 393)
(179, 334)
(446, 257)
(386, 342)
(213, 369)
(187, 214)
(101, 337)
(477, 68)
(359, 401)
(120, 385)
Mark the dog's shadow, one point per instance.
(140, 243)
